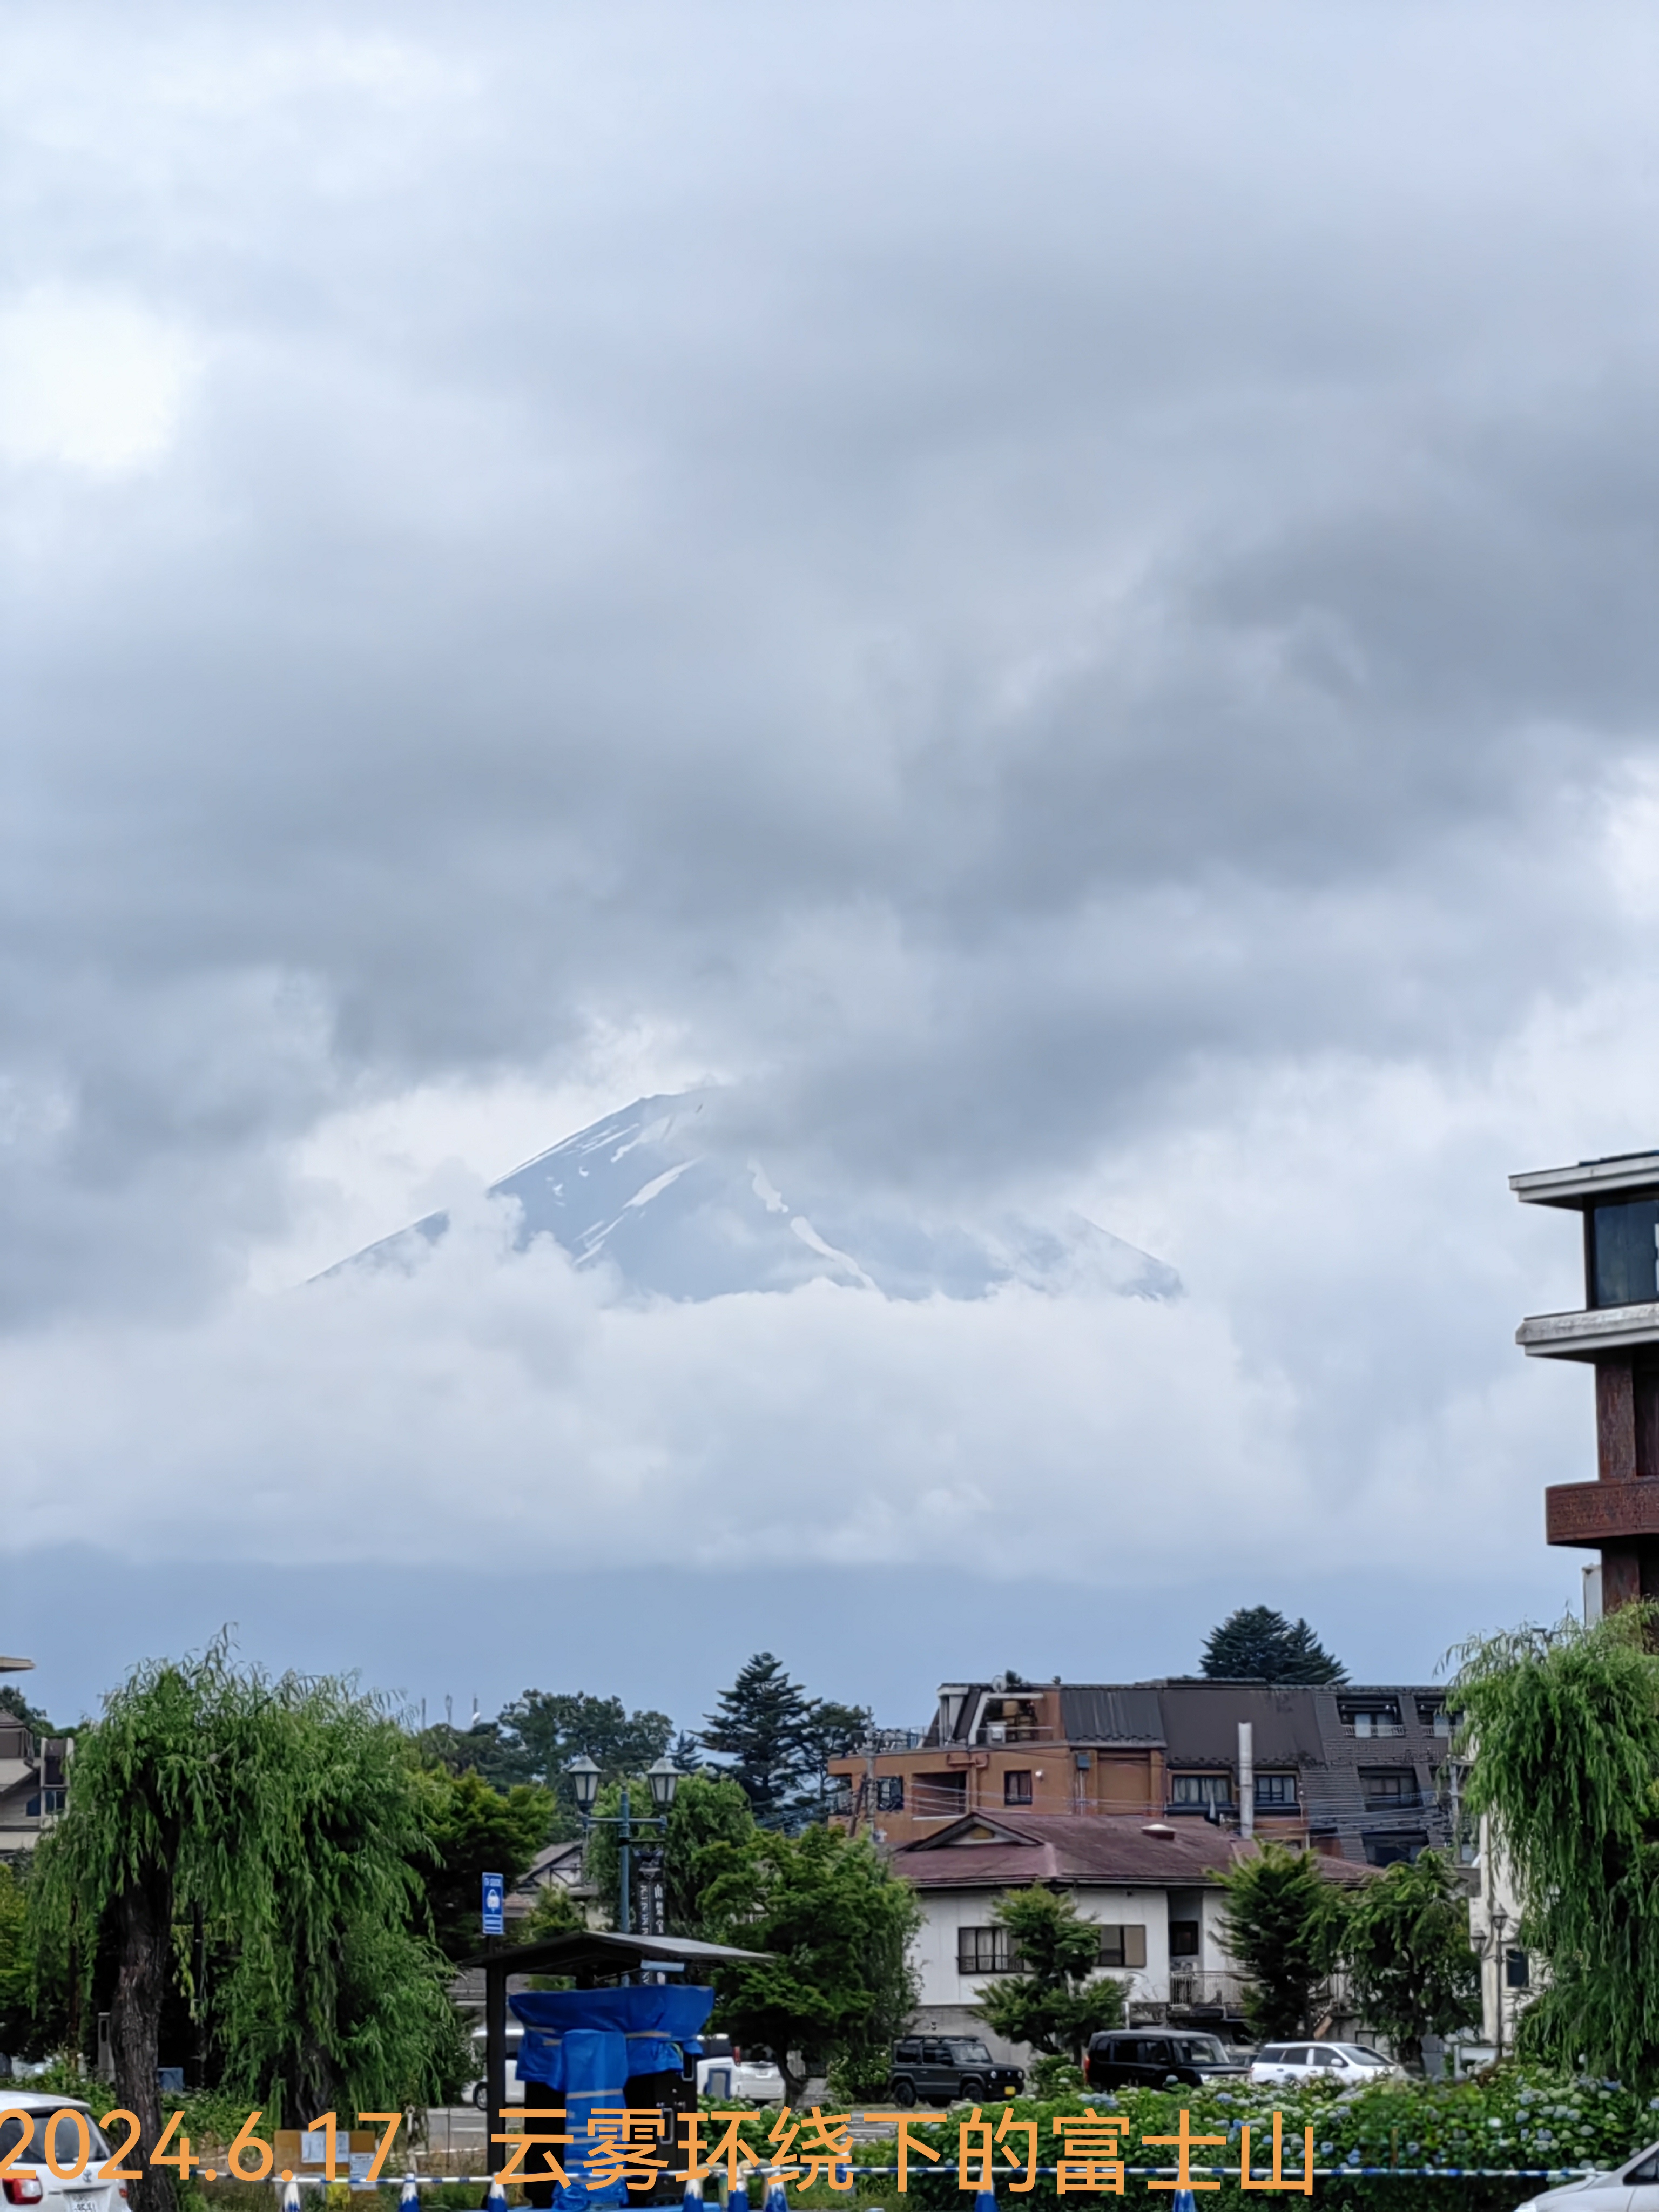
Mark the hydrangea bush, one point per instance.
(1512, 2118)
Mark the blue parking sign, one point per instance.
(495, 1891)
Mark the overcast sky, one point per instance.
(1065, 593)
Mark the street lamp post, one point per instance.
(664, 1777)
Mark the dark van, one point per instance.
(1148, 2058)
(949, 2070)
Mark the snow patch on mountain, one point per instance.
(670, 1193)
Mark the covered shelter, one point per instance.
(592, 1957)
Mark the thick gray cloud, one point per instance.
(1068, 601)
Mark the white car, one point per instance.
(32, 2125)
(721, 2072)
(724, 2072)
(1350, 2064)
(1633, 2187)
(478, 2091)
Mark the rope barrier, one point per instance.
(1224, 2172)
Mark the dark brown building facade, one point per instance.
(1615, 1333)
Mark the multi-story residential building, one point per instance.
(1355, 1773)
(33, 1786)
(1149, 1884)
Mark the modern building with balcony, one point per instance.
(1354, 1773)
(1616, 1332)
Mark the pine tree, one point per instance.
(761, 1728)
(1258, 1644)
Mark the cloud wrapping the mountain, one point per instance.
(1067, 602)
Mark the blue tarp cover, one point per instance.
(585, 2043)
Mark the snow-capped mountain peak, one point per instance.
(671, 1194)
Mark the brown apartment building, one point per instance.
(1358, 1772)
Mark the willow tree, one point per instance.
(285, 1814)
(1561, 1729)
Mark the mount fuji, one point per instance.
(670, 1193)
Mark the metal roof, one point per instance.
(603, 1951)
(1096, 1712)
(1200, 1722)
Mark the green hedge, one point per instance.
(1514, 2117)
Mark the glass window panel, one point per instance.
(1624, 1246)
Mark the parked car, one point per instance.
(1632, 2187)
(478, 2091)
(33, 2125)
(949, 2070)
(1148, 2058)
(724, 2071)
(1350, 2065)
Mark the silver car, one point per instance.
(41, 2128)
(1349, 2064)
(1633, 2187)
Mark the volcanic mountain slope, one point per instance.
(670, 1193)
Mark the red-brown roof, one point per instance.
(1004, 1851)
(999, 1850)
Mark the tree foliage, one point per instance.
(778, 1742)
(534, 1739)
(1058, 1998)
(758, 1730)
(838, 1923)
(708, 1812)
(1562, 1729)
(14, 1705)
(17, 1977)
(289, 1813)
(1258, 1644)
(1406, 1945)
(478, 1830)
(1285, 1928)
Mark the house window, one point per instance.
(1122, 1946)
(1016, 1786)
(984, 1951)
(1622, 1253)
(1389, 1850)
(840, 1795)
(45, 1801)
(1365, 1717)
(890, 1793)
(1275, 1793)
(1518, 1973)
(1389, 1788)
(1192, 1793)
(1183, 1939)
(938, 1796)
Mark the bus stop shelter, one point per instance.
(592, 1957)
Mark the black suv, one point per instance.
(949, 2070)
(1147, 2061)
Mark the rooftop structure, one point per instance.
(1355, 1771)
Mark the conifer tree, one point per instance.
(761, 1728)
(1258, 1644)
